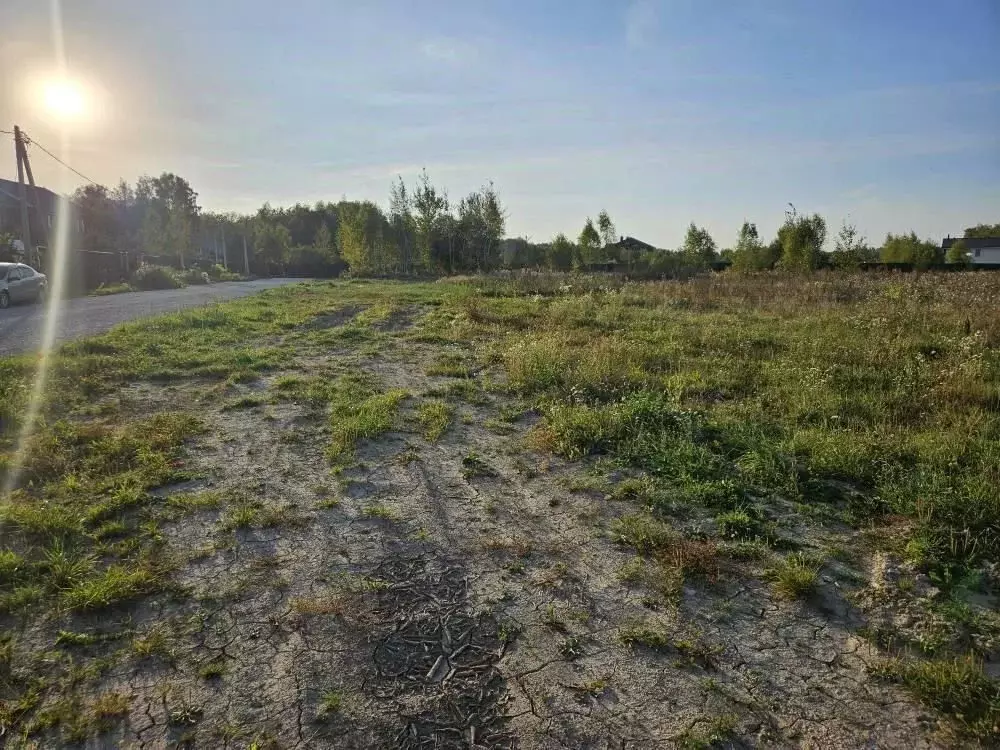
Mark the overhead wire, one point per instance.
(29, 141)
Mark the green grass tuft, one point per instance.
(434, 417)
(796, 576)
(958, 688)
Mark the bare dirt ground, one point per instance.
(462, 593)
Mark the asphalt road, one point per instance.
(21, 326)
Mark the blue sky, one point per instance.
(663, 112)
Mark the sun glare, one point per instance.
(64, 99)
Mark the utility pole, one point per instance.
(22, 193)
(24, 167)
(246, 258)
(224, 265)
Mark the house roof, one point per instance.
(10, 192)
(971, 243)
(631, 243)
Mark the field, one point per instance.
(538, 511)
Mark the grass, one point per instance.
(795, 576)
(708, 733)
(731, 409)
(115, 584)
(331, 702)
(353, 420)
(434, 418)
(956, 687)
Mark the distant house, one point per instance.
(983, 251)
(631, 245)
(10, 210)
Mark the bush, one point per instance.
(218, 272)
(148, 278)
(195, 277)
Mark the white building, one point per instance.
(983, 251)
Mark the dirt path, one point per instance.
(459, 594)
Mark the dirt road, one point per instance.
(22, 326)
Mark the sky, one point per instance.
(663, 112)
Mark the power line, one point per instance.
(33, 142)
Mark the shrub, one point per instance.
(148, 278)
(195, 277)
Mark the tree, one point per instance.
(699, 248)
(849, 249)
(609, 235)
(481, 221)
(560, 253)
(907, 248)
(362, 238)
(403, 227)
(801, 239)
(169, 211)
(96, 212)
(958, 253)
(589, 243)
(323, 241)
(749, 254)
(428, 206)
(272, 243)
(982, 230)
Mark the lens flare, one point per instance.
(55, 266)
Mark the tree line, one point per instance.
(421, 231)
(798, 245)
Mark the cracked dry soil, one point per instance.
(412, 603)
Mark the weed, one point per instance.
(192, 502)
(378, 510)
(707, 733)
(551, 620)
(241, 516)
(655, 639)
(331, 702)
(115, 584)
(571, 648)
(370, 418)
(212, 670)
(592, 688)
(796, 576)
(110, 706)
(434, 417)
(740, 524)
(644, 532)
(154, 642)
(67, 638)
(958, 688)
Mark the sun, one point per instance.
(64, 99)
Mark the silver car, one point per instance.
(21, 283)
